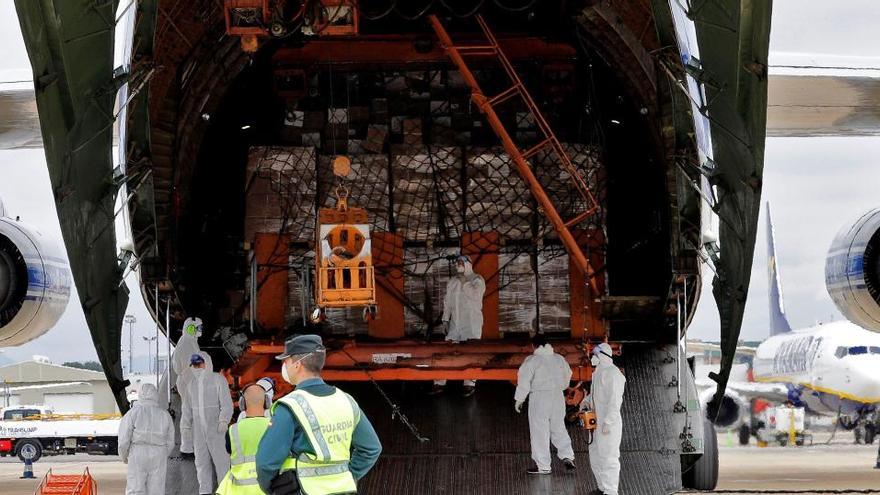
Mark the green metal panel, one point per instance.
(734, 38)
(70, 46)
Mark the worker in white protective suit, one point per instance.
(606, 397)
(146, 439)
(463, 312)
(543, 378)
(186, 346)
(205, 416)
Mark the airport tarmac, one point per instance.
(840, 466)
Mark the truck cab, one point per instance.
(20, 412)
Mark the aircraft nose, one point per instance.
(867, 382)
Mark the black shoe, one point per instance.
(535, 470)
(569, 464)
(468, 391)
(437, 389)
(597, 492)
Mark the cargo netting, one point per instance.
(424, 167)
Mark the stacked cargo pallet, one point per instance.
(421, 167)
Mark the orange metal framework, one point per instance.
(520, 157)
(411, 360)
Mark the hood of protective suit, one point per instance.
(467, 268)
(192, 327)
(544, 350)
(148, 394)
(603, 351)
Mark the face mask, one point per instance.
(285, 375)
(198, 371)
(594, 361)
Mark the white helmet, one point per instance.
(193, 326)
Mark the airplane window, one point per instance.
(859, 349)
(875, 350)
(840, 352)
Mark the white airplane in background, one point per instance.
(832, 369)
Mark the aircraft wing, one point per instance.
(773, 392)
(42, 386)
(19, 123)
(693, 346)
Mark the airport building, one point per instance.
(65, 389)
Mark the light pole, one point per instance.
(148, 340)
(131, 320)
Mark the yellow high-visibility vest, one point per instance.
(329, 424)
(244, 438)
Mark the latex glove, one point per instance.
(518, 406)
(606, 429)
(222, 427)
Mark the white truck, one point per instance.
(31, 432)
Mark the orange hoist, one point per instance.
(344, 272)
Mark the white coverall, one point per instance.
(606, 395)
(205, 416)
(463, 305)
(146, 439)
(463, 309)
(543, 377)
(186, 346)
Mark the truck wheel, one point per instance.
(704, 474)
(745, 434)
(29, 449)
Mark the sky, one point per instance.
(815, 185)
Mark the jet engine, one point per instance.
(852, 271)
(34, 282)
(732, 411)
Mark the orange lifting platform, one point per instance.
(68, 484)
(345, 276)
(413, 360)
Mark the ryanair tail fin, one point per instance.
(778, 320)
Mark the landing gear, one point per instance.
(745, 433)
(703, 475)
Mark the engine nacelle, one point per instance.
(732, 411)
(852, 271)
(34, 283)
